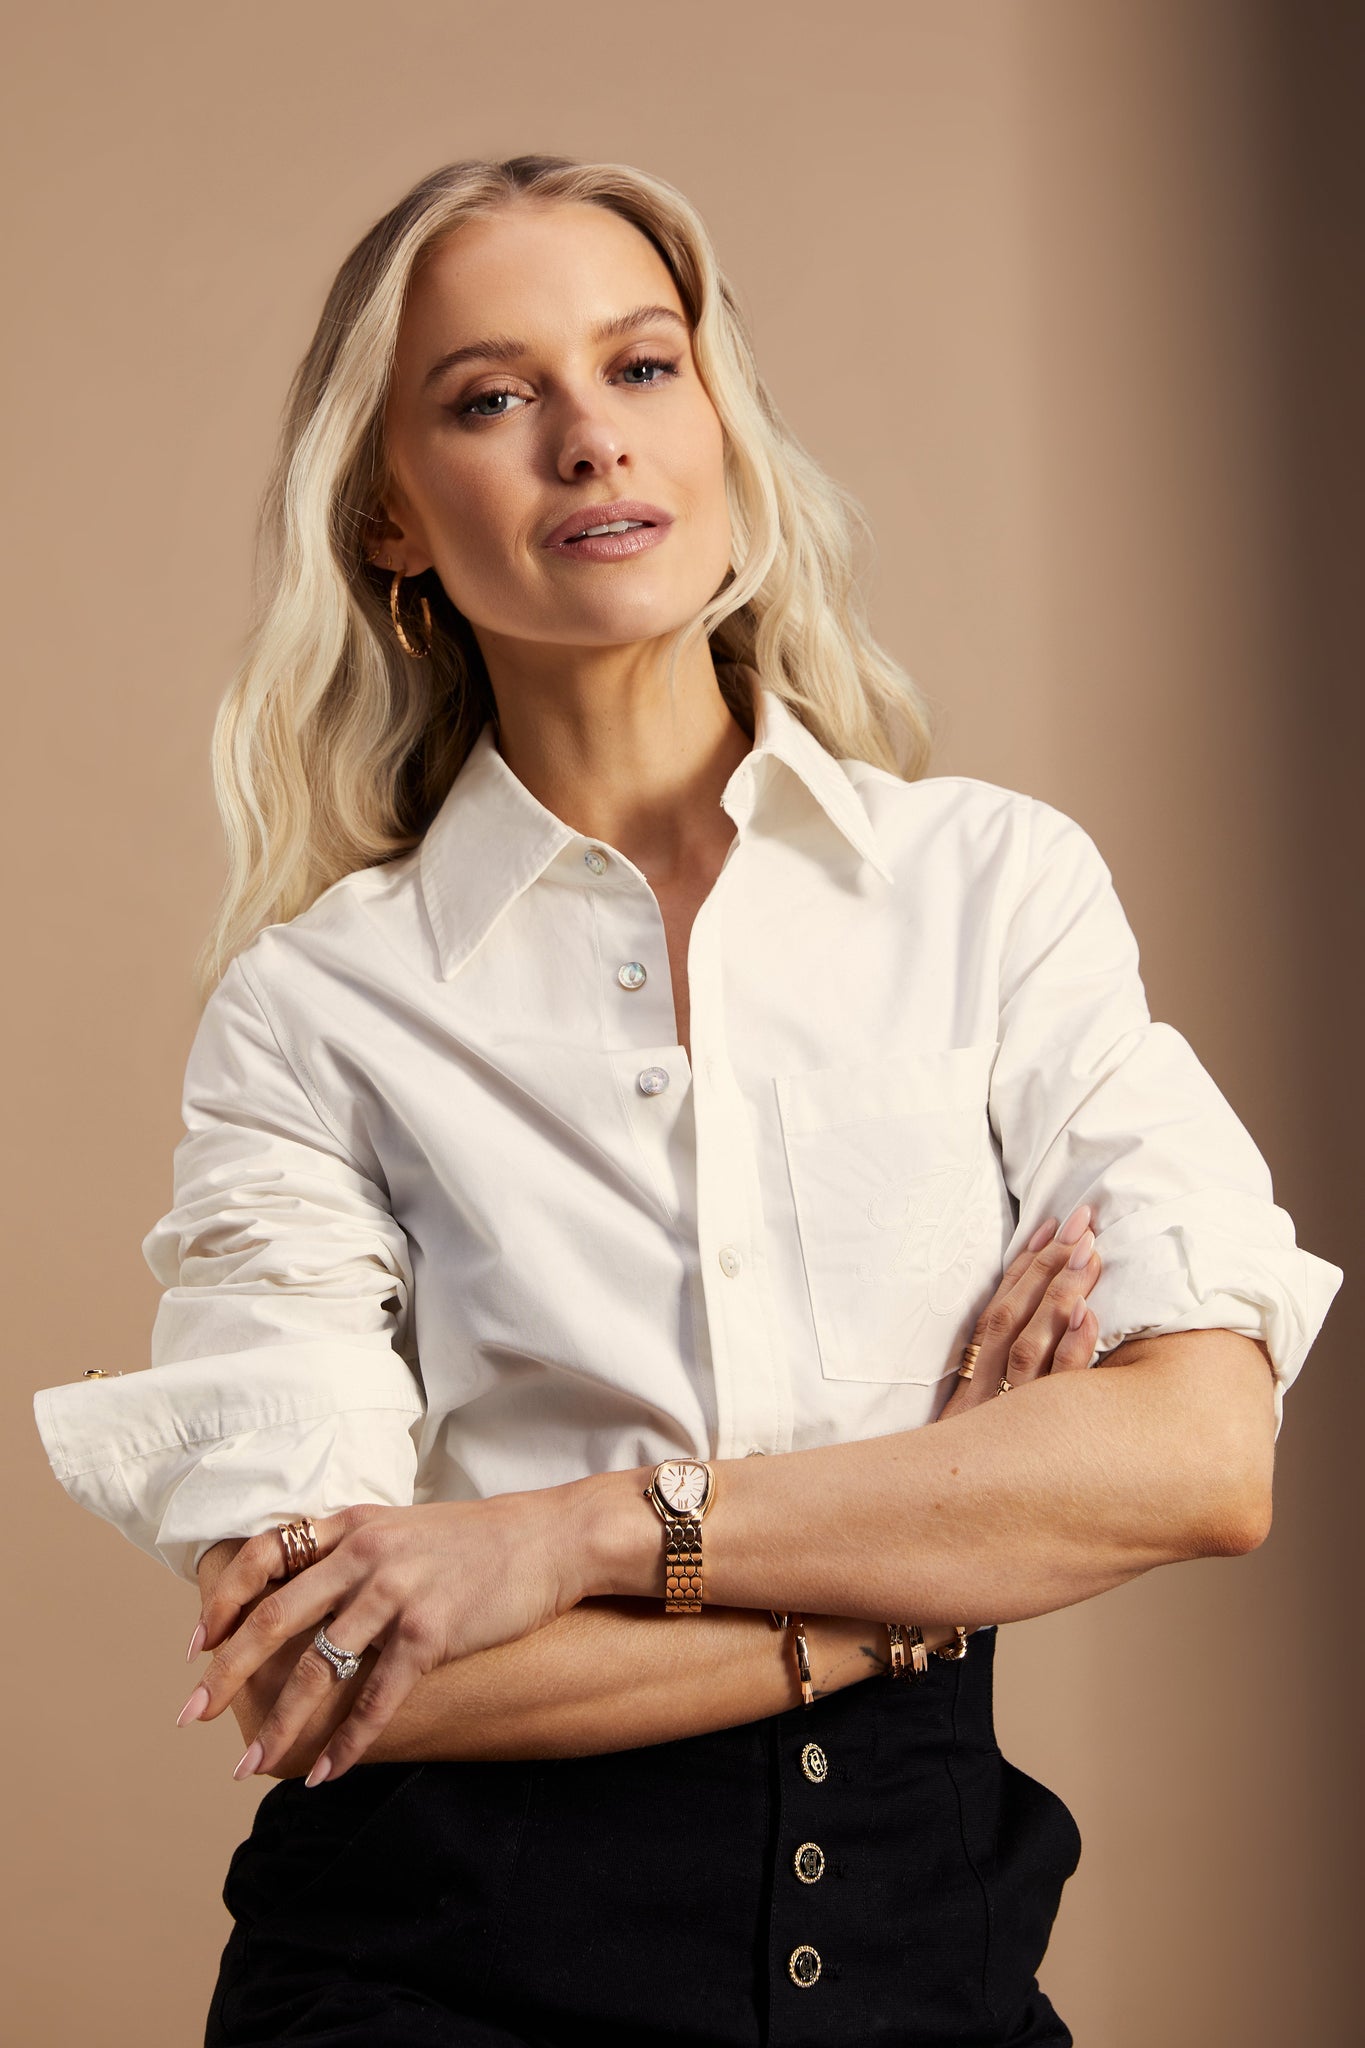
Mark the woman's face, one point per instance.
(551, 416)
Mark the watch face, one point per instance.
(683, 1485)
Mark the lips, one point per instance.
(606, 515)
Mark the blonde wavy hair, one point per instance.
(332, 748)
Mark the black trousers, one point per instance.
(868, 1871)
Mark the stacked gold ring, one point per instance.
(968, 1367)
(300, 1541)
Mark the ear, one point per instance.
(392, 538)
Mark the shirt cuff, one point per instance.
(1216, 1259)
(179, 1457)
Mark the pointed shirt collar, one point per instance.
(491, 838)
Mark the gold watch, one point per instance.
(681, 1490)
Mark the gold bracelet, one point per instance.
(798, 1629)
(902, 1633)
(900, 1636)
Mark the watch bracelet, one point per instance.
(682, 1566)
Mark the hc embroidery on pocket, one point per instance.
(933, 1225)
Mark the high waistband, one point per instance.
(868, 1872)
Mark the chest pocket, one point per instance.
(901, 1207)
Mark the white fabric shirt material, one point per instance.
(454, 1213)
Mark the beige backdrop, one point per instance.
(1068, 293)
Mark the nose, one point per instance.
(593, 440)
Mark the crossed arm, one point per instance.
(1006, 1509)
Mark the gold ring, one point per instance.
(1004, 1386)
(300, 1540)
(969, 1358)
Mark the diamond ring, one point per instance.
(345, 1663)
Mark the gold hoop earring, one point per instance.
(417, 653)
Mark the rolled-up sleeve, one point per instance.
(283, 1379)
(1091, 1100)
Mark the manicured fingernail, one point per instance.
(319, 1771)
(1085, 1244)
(194, 1706)
(1044, 1234)
(1074, 1225)
(1078, 1312)
(251, 1760)
(196, 1643)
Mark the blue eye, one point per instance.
(666, 366)
(470, 408)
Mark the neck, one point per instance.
(603, 745)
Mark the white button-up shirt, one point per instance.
(454, 1213)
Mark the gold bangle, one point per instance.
(903, 1634)
(798, 1629)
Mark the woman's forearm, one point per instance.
(1004, 1510)
(611, 1673)
(617, 1674)
(1016, 1507)
(608, 1675)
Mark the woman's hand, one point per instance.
(1038, 1320)
(422, 1585)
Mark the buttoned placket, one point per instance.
(703, 1167)
(753, 1398)
(639, 1028)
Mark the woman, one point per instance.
(625, 1086)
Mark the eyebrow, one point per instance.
(501, 348)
